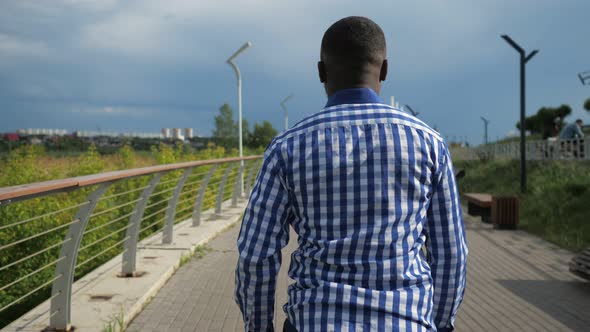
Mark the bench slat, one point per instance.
(482, 199)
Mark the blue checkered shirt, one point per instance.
(366, 187)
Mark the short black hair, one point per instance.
(579, 121)
(354, 41)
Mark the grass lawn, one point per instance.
(556, 206)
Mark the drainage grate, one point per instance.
(150, 257)
(101, 297)
(136, 274)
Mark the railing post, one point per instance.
(171, 210)
(199, 200)
(238, 186)
(61, 292)
(222, 187)
(251, 172)
(567, 149)
(130, 245)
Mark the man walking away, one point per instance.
(365, 187)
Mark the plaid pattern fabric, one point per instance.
(365, 187)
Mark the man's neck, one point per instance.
(354, 96)
(332, 89)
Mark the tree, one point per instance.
(587, 105)
(542, 123)
(225, 127)
(262, 135)
(246, 134)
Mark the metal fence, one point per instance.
(54, 232)
(574, 149)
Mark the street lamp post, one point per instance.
(285, 109)
(414, 113)
(231, 62)
(486, 122)
(523, 60)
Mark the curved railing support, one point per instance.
(238, 186)
(61, 293)
(222, 188)
(171, 210)
(132, 235)
(201, 195)
(250, 180)
(59, 318)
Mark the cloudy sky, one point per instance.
(140, 65)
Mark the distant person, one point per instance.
(552, 129)
(572, 130)
(366, 187)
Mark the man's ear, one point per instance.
(383, 73)
(322, 71)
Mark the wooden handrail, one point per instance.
(39, 188)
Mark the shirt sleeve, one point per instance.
(264, 232)
(579, 132)
(446, 245)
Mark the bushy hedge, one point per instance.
(30, 164)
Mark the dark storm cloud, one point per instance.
(161, 63)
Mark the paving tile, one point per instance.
(515, 282)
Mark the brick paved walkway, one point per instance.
(516, 282)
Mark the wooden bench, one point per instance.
(580, 265)
(505, 211)
(479, 204)
(501, 210)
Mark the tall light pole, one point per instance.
(486, 122)
(285, 109)
(231, 62)
(394, 103)
(523, 60)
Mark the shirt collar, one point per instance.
(354, 96)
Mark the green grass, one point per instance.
(556, 206)
(116, 323)
(199, 252)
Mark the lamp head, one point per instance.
(242, 49)
(513, 43)
(287, 99)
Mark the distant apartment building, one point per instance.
(188, 133)
(42, 132)
(177, 134)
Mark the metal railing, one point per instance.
(75, 225)
(572, 149)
